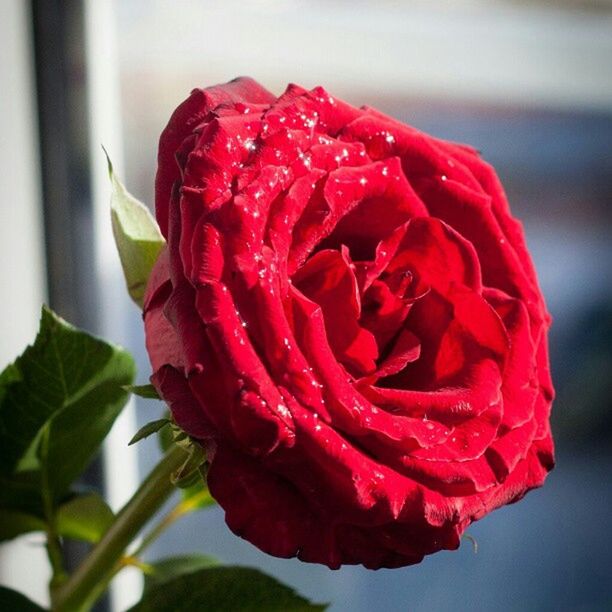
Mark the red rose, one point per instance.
(346, 314)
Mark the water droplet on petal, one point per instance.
(283, 410)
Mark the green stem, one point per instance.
(54, 545)
(185, 506)
(56, 559)
(93, 575)
(170, 518)
(133, 558)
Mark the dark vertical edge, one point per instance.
(58, 28)
(61, 83)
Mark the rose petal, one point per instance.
(328, 280)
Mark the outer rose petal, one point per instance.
(182, 123)
(347, 318)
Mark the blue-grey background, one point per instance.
(551, 147)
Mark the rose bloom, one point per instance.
(347, 318)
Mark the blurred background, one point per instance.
(528, 83)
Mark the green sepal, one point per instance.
(193, 486)
(149, 429)
(184, 476)
(145, 391)
(137, 237)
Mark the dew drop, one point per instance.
(283, 410)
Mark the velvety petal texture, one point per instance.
(347, 317)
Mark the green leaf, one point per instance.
(146, 391)
(85, 517)
(172, 567)
(148, 429)
(14, 523)
(57, 403)
(137, 237)
(14, 601)
(239, 589)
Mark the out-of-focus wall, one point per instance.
(21, 246)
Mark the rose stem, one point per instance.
(90, 579)
(185, 506)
